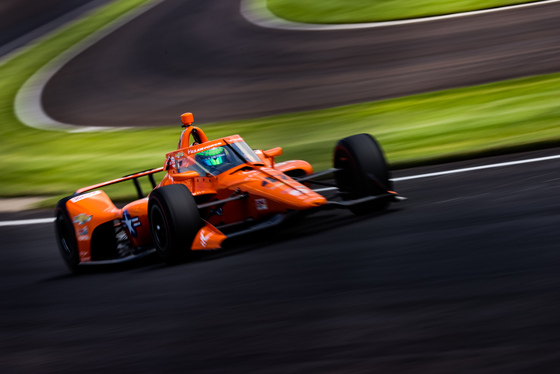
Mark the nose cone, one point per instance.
(304, 198)
(288, 193)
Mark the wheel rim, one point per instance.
(159, 227)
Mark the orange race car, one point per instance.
(213, 191)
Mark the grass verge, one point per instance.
(357, 11)
(420, 129)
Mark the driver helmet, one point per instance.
(212, 157)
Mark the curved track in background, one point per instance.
(206, 58)
(462, 278)
(23, 20)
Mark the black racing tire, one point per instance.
(174, 222)
(66, 236)
(363, 172)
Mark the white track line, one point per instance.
(419, 176)
(28, 106)
(27, 222)
(475, 168)
(257, 13)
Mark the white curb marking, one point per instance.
(258, 14)
(28, 106)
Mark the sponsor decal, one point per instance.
(200, 149)
(83, 231)
(84, 196)
(82, 219)
(179, 154)
(83, 238)
(261, 204)
(295, 193)
(204, 239)
(131, 223)
(235, 139)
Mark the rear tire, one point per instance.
(174, 222)
(363, 172)
(66, 236)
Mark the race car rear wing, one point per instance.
(134, 177)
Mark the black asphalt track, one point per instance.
(462, 278)
(19, 18)
(204, 57)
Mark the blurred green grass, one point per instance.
(356, 11)
(420, 129)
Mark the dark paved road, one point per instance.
(202, 56)
(21, 18)
(462, 278)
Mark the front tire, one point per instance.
(66, 236)
(362, 172)
(174, 222)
